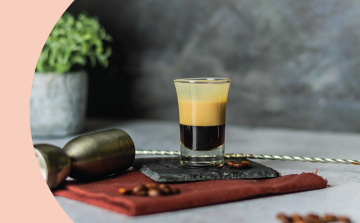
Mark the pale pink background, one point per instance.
(25, 26)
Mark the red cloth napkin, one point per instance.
(104, 193)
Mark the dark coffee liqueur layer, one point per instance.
(202, 138)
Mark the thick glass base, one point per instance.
(213, 157)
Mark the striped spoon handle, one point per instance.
(255, 156)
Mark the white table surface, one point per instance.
(343, 197)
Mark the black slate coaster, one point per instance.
(169, 169)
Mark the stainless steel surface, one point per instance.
(255, 156)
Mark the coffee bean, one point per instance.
(151, 189)
(164, 189)
(125, 191)
(247, 163)
(139, 188)
(239, 165)
(140, 193)
(296, 217)
(329, 218)
(175, 190)
(344, 219)
(282, 217)
(312, 218)
(153, 192)
(151, 185)
(312, 215)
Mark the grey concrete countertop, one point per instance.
(343, 197)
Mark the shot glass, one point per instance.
(202, 110)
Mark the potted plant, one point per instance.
(59, 90)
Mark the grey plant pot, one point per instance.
(58, 104)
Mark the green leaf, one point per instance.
(79, 60)
(71, 42)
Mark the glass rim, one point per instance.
(204, 80)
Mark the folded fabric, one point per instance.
(104, 193)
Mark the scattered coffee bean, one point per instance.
(239, 165)
(149, 186)
(140, 193)
(139, 188)
(164, 189)
(125, 191)
(163, 186)
(344, 219)
(175, 190)
(150, 190)
(296, 218)
(329, 218)
(312, 218)
(283, 218)
(247, 163)
(154, 192)
(230, 163)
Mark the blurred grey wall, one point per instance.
(293, 64)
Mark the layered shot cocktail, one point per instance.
(202, 111)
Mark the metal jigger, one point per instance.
(86, 157)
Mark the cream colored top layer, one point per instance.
(202, 104)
